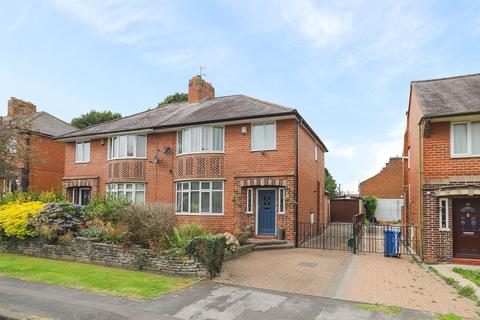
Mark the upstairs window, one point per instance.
(264, 136)
(82, 153)
(200, 139)
(466, 138)
(127, 146)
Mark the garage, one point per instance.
(343, 209)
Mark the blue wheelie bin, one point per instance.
(392, 242)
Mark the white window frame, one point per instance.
(469, 141)
(83, 160)
(264, 123)
(189, 191)
(190, 137)
(110, 146)
(281, 202)
(114, 191)
(447, 227)
(249, 200)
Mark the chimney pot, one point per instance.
(199, 89)
(18, 107)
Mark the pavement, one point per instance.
(369, 278)
(206, 300)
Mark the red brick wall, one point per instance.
(412, 199)
(239, 163)
(388, 184)
(47, 168)
(437, 162)
(311, 178)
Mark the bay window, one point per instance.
(200, 139)
(199, 197)
(127, 146)
(82, 152)
(466, 138)
(264, 136)
(133, 192)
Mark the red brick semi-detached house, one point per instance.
(387, 186)
(226, 162)
(45, 170)
(442, 173)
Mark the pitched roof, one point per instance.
(46, 124)
(180, 114)
(447, 96)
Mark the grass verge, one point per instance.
(449, 316)
(379, 308)
(92, 278)
(472, 275)
(465, 291)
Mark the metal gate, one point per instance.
(357, 236)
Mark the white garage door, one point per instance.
(389, 209)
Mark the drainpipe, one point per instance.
(420, 187)
(296, 180)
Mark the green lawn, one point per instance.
(472, 275)
(89, 277)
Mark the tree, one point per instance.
(14, 148)
(330, 184)
(173, 98)
(94, 117)
(371, 204)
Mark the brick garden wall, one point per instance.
(85, 251)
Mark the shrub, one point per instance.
(109, 209)
(148, 225)
(210, 251)
(93, 232)
(14, 218)
(115, 233)
(21, 197)
(180, 237)
(231, 242)
(371, 204)
(56, 219)
(242, 237)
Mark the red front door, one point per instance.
(466, 230)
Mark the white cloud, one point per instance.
(127, 22)
(322, 26)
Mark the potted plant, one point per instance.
(281, 234)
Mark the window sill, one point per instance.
(249, 212)
(203, 152)
(444, 229)
(282, 213)
(264, 150)
(199, 214)
(460, 156)
(81, 162)
(128, 158)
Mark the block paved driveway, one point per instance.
(369, 278)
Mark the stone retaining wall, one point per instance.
(87, 251)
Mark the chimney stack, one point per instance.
(18, 107)
(199, 89)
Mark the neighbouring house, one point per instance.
(45, 169)
(442, 170)
(387, 186)
(227, 162)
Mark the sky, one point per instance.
(346, 66)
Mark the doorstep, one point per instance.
(472, 262)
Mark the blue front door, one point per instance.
(266, 212)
